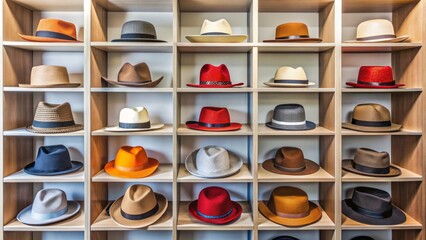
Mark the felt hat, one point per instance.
(362, 238)
(49, 206)
(371, 117)
(214, 77)
(285, 238)
(214, 119)
(52, 160)
(377, 31)
(292, 32)
(371, 163)
(290, 117)
(53, 30)
(290, 161)
(131, 162)
(219, 31)
(290, 206)
(53, 118)
(290, 77)
(213, 162)
(214, 206)
(372, 206)
(45, 76)
(375, 77)
(139, 207)
(138, 75)
(138, 31)
(134, 119)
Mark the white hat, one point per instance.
(289, 77)
(216, 32)
(377, 30)
(133, 120)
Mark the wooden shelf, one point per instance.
(136, 5)
(46, 5)
(131, 90)
(294, 47)
(164, 131)
(215, 6)
(183, 130)
(377, 47)
(105, 223)
(22, 177)
(46, 47)
(378, 90)
(214, 47)
(406, 176)
(293, 90)
(318, 131)
(164, 173)
(73, 224)
(243, 175)
(19, 89)
(215, 90)
(21, 132)
(320, 176)
(187, 222)
(293, 6)
(133, 47)
(362, 6)
(402, 132)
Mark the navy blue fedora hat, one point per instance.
(52, 160)
(285, 238)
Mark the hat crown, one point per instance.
(48, 201)
(45, 74)
(134, 115)
(57, 26)
(47, 112)
(138, 73)
(370, 158)
(52, 158)
(211, 73)
(130, 158)
(290, 201)
(139, 27)
(379, 74)
(289, 113)
(219, 27)
(290, 157)
(372, 199)
(371, 112)
(289, 73)
(138, 199)
(214, 115)
(214, 201)
(212, 159)
(375, 27)
(291, 29)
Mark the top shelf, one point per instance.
(215, 6)
(136, 5)
(293, 6)
(46, 5)
(355, 6)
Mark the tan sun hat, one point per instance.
(45, 76)
(289, 77)
(219, 31)
(377, 30)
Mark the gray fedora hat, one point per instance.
(49, 206)
(138, 31)
(290, 117)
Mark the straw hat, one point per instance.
(292, 32)
(134, 120)
(53, 30)
(290, 77)
(53, 118)
(138, 31)
(290, 161)
(45, 76)
(290, 117)
(219, 31)
(214, 119)
(134, 76)
(214, 77)
(375, 77)
(377, 31)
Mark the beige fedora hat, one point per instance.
(133, 120)
(219, 31)
(377, 31)
(45, 76)
(289, 77)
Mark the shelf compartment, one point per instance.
(215, 90)
(164, 173)
(133, 47)
(214, 47)
(355, 6)
(320, 176)
(294, 47)
(45, 46)
(46, 5)
(105, 223)
(402, 132)
(21, 132)
(183, 130)
(186, 222)
(22, 177)
(243, 175)
(406, 176)
(20, 89)
(318, 131)
(166, 130)
(377, 47)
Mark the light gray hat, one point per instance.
(49, 206)
(213, 162)
(138, 31)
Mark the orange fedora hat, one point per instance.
(53, 30)
(131, 162)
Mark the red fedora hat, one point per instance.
(214, 206)
(375, 77)
(214, 119)
(214, 77)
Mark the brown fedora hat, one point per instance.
(45, 76)
(138, 75)
(371, 163)
(139, 207)
(290, 161)
(290, 206)
(371, 117)
(292, 32)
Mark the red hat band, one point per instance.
(214, 75)
(376, 76)
(214, 203)
(214, 117)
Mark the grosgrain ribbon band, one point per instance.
(371, 124)
(293, 37)
(214, 217)
(377, 83)
(377, 37)
(134, 125)
(292, 81)
(366, 169)
(45, 216)
(369, 213)
(214, 125)
(139, 216)
(292, 215)
(39, 124)
(138, 35)
(49, 34)
(219, 83)
(289, 169)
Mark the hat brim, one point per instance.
(25, 215)
(214, 86)
(310, 167)
(308, 126)
(397, 217)
(314, 215)
(272, 84)
(306, 40)
(347, 165)
(216, 38)
(194, 125)
(119, 129)
(237, 210)
(235, 161)
(66, 85)
(132, 84)
(357, 85)
(74, 128)
(148, 170)
(75, 166)
(382, 40)
(137, 40)
(115, 213)
(43, 39)
(393, 128)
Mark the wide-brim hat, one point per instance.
(292, 32)
(347, 164)
(138, 75)
(360, 85)
(212, 76)
(45, 76)
(375, 77)
(397, 217)
(148, 169)
(232, 127)
(53, 30)
(274, 84)
(310, 167)
(217, 86)
(286, 76)
(214, 119)
(119, 129)
(382, 40)
(25, 215)
(377, 31)
(129, 84)
(234, 215)
(31, 170)
(219, 31)
(393, 128)
(314, 215)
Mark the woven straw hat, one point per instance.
(53, 118)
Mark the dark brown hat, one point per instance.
(371, 163)
(290, 161)
(134, 76)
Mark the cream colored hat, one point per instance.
(377, 30)
(133, 120)
(216, 32)
(289, 77)
(45, 76)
